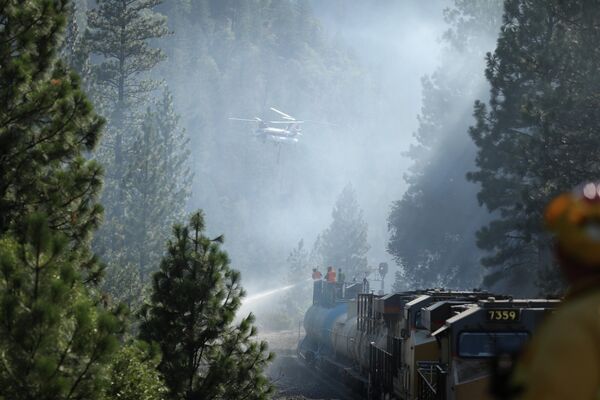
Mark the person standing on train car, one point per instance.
(563, 359)
(330, 276)
(316, 275)
(341, 278)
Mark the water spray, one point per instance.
(267, 293)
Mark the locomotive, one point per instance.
(424, 344)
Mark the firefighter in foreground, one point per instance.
(563, 359)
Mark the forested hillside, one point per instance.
(433, 226)
(142, 187)
(237, 59)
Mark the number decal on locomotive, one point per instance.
(503, 315)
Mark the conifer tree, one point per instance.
(55, 343)
(118, 34)
(296, 300)
(46, 124)
(344, 244)
(190, 316)
(134, 374)
(538, 137)
(74, 50)
(56, 340)
(400, 282)
(157, 183)
(432, 227)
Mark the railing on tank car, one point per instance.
(324, 293)
(431, 381)
(381, 371)
(365, 314)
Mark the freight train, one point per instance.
(426, 344)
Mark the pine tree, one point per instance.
(344, 244)
(134, 374)
(297, 261)
(538, 137)
(157, 185)
(74, 50)
(432, 227)
(46, 124)
(190, 316)
(297, 299)
(400, 282)
(118, 34)
(55, 342)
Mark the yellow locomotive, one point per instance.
(425, 344)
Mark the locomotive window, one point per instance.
(489, 344)
(419, 320)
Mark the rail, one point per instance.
(431, 381)
(382, 371)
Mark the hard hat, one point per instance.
(575, 219)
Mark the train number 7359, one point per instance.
(503, 315)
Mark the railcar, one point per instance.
(423, 344)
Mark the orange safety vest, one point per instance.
(330, 276)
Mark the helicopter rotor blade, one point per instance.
(284, 115)
(286, 122)
(255, 119)
(242, 119)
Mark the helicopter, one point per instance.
(289, 132)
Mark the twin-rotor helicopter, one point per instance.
(286, 130)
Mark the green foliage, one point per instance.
(146, 186)
(191, 317)
(344, 244)
(157, 186)
(120, 32)
(432, 228)
(46, 124)
(55, 342)
(538, 136)
(134, 374)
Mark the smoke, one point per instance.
(366, 85)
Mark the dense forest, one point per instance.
(135, 208)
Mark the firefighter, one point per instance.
(341, 277)
(316, 275)
(563, 359)
(330, 276)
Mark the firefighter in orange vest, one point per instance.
(563, 359)
(316, 275)
(330, 276)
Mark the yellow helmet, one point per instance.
(575, 219)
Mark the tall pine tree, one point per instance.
(297, 299)
(118, 35)
(147, 161)
(190, 316)
(46, 124)
(344, 244)
(157, 184)
(55, 339)
(538, 136)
